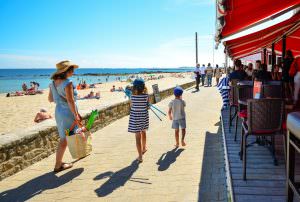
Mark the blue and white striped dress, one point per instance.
(224, 89)
(139, 116)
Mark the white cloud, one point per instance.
(25, 61)
(173, 53)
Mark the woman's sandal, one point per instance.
(145, 151)
(63, 167)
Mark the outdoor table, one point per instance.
(293, 144)
(243, 102)
(246, 82)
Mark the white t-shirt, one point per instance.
(195, 71)
(202, 70)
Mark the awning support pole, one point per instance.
(283, 46)
(273, 57)
(226, 62)
(196, 47)
(265, 56)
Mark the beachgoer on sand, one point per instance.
(42, 115)
(113, 89)
(197, 76)
(24, 87)
(177, 115)
(91, 95)
(17, 93)
(139, 116)
(63, 93)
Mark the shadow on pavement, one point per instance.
(168, 158)
(116, 179)
(195, 91)
(212, 185)
(37, 185)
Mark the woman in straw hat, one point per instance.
(63, 93)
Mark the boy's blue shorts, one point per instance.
(181, 123)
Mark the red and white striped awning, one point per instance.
(234, 16)
(253, 43)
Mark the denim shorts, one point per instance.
(181, 123)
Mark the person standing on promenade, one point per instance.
(177, 115)
(209, 74)
(218, 74)
(286, 79)
(139, 116)
(197, 76)
(203, 74)
(295, 73)
(63, 93)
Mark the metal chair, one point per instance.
(274, 83)
(272, 91)
(293, 126)
(264, 118)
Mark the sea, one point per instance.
(11, 80)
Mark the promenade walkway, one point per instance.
(110, 173)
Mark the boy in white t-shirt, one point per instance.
(177, 114)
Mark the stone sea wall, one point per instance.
(24, 148)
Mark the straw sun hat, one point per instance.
(64, 66)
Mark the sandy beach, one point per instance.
(18, 113)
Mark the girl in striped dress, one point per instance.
(139, 116)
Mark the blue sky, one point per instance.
(106, 33)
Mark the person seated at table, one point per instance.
(276, 74)
(249, 71)
(261, 74)
(260, 71)
(257, 65)
(42, 115)
(238, 73)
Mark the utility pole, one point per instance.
(196, 34)
(213, 63)
(226, 61)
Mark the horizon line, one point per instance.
(108, 67)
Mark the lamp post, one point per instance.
(196, 38)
